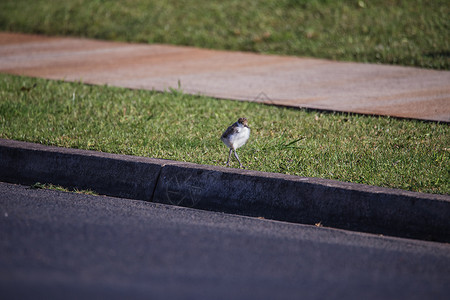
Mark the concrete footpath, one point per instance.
(331, 203)
(281, 80)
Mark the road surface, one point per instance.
(57, 245)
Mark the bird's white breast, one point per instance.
(240, 138)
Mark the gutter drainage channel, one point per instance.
(331, 203)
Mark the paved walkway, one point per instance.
(281, 80)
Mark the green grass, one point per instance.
(49, 186)
(407, 154)
(413, 33)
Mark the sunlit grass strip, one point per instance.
(407, 154)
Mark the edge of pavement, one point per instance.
(330, 203)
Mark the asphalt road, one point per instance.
(71, 246)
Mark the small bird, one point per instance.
(236, 136)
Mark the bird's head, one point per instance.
(243, 121)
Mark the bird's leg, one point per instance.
(229, 156)
(235, 154)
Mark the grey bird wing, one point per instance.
(230, 130)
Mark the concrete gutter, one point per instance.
(269, 195)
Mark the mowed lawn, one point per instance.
(407, 154)
(412, 33)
